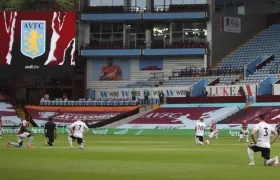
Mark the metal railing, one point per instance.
(112, 9)
(193, 71)
(196, 6)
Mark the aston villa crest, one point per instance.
(33, 38)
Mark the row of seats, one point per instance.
(264, 44)
(228, 80)
(189, 44)
(140, 84)
(183, 81)
(176, 84)
(189, 72)
(89, 102)
(223, 80)
(189, 76)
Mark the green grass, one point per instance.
(133, 158)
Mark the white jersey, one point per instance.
(244, 129)
(263, 134)
(200, 128)
(79, 128)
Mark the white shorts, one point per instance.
(23, 135)
(244, 132)
(211, 134)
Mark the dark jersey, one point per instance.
(50, 127)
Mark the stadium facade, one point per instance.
(171, 46)
(154, 43)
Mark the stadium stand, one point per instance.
(258, 46)
(264, 44)
(228, 80)
(254, 79)
(186, 78)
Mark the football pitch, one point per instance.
(107, 157)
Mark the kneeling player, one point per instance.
(213, 130)
(244, 132)
(50, 132)
(263, 131)
(22, 134)
(77, 131)
(199, 131)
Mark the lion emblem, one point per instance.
(32, 42)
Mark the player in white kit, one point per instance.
(261, 142)
(199, 131)
(77, 131)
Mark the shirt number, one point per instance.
(265, 131)
(79, 127)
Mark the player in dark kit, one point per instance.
(50, 132)
(277, 128)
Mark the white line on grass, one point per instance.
(154, 144)
(126, 149)
(92, 142)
